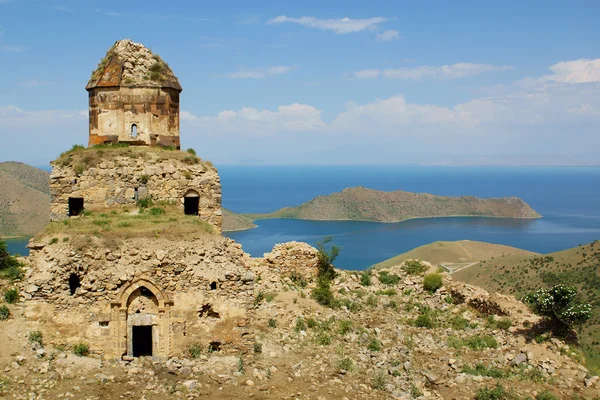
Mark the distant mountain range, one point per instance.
(24, 199)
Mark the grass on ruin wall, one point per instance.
(162, 220)
(82, 158)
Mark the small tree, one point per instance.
(560, 304)
(326, 258)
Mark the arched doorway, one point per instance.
(140, 318)
(142, 323)
(191, 203)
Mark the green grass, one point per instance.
(388, 279)
(81, 349)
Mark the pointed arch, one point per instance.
(130, 287)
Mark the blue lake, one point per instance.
(567, 197)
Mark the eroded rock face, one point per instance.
(101, 294)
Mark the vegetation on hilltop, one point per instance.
(519, 275)
(363, 204)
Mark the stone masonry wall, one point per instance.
(206, 283)
(114, 182)
(285, 258)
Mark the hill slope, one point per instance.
(364, 204)
(24, 199)
(462, 251)
(236, 222)
(518, 274)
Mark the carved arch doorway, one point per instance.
(140, 320)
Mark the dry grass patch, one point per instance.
(169, 222)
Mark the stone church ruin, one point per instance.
(133, 262)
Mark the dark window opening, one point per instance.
(214, 346)
(134, 131)
(207, 311)
(103, 323)
(213, 286)
(74, 283)
(191, 205)
(142, 340)
(135, 195)
(144, 291)
(75, 206)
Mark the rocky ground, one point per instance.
(387, 338)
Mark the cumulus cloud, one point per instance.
(388, 35)
(444, 72)
(578, 71)
(287, 118)
(340, 26)
(260, 73)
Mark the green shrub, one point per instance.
(190, 160)
(496, 393)
(414, 267)
(379, 380)
(323, 339)
(478, 342)
(9, 266)
(386, 292)
(388, 279)
(143, 179)
(298, 279)
(432, 282)
(372, 301)
(157, 211)
(504, 323)
(78, 169)
(53, 241)
(415, 392)
(191, 151)
(4, 313)
(194, 350)
(458, 322)
(326, 257)
(81, 349)
(543, 338)
(272, 323)
(345, 327)
(322, 294)
(345, 364)
(482, 370)
(145, 202)
(11, 296)
(300, 325)
(374, 345)
(365, 279)
(36, 337)
(257, 348)
(561, 305)
(424, 321)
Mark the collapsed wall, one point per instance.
(161, 294)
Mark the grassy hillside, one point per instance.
(363, 204)
(236, 222)
(24, 199)
(462, 251)
(520, 274)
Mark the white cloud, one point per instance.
(388, 35)
(444, 72)
(578, 71)
(288, 118)
(340, 26)
(260, 73)
(12, 116)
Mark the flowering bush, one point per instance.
(560, 304)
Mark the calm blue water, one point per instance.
(567, 197)
(17, 246)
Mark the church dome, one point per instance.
(130, 64)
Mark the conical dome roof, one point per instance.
(130, 64)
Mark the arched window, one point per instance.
(134, 131)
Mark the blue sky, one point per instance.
(322, 82)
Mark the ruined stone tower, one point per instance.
(134, 98)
